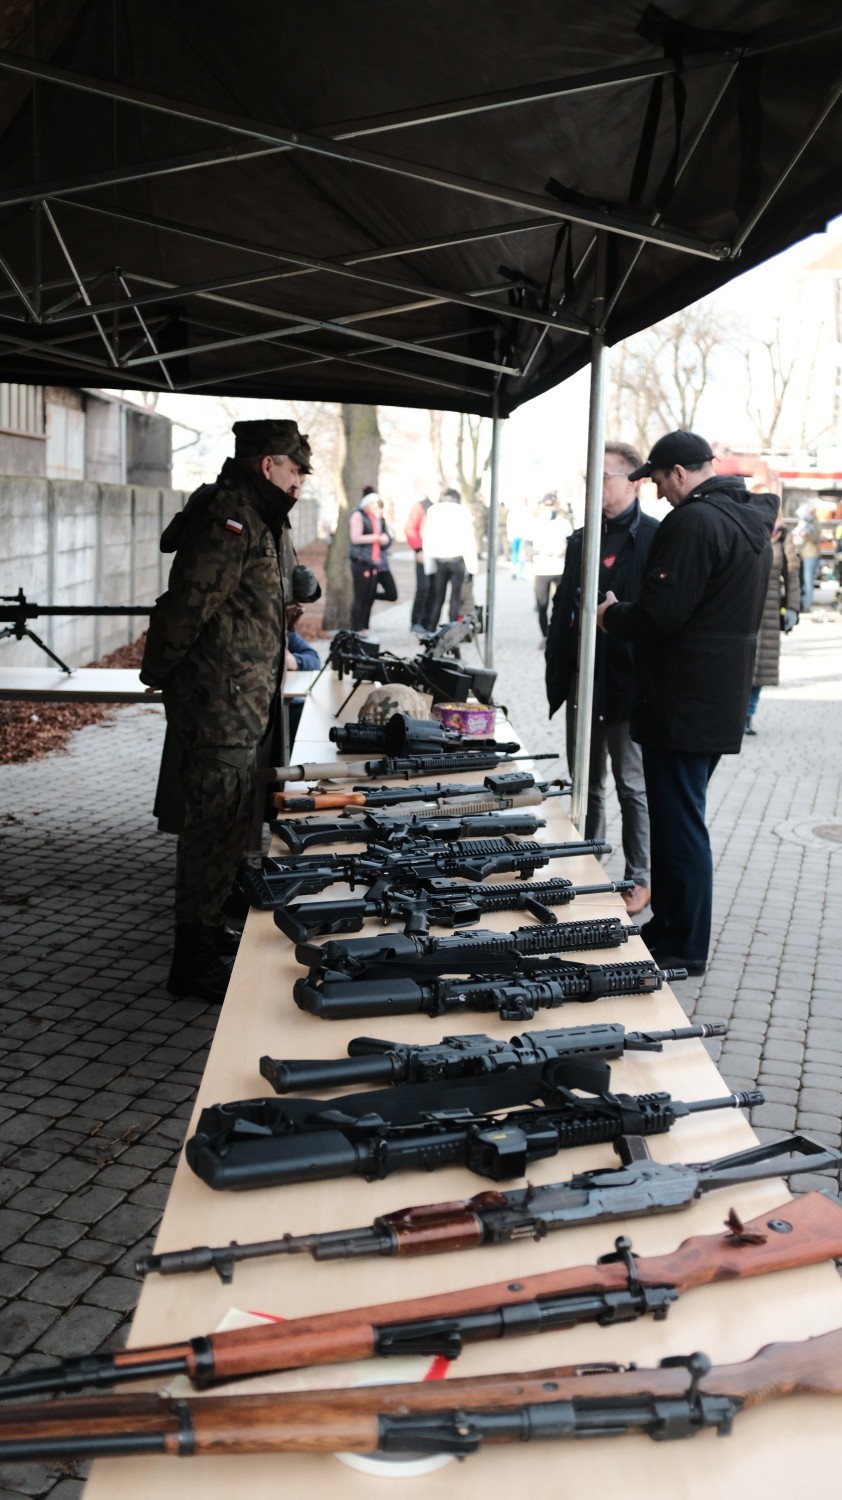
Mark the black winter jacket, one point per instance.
(613, 664)
(694, 625)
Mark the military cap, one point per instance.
(271, 436)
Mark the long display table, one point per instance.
(780, 1444)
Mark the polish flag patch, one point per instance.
(235, 526)
(608, 562)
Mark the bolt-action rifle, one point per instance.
(269, 1142)
(435, 902)
(399, 831)
(370, 1060)
(637, 1188)
(683, 1396)
(497, 793)
(619, 1288)
(392, 767)
(281, 880)
(539, 985)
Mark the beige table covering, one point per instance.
(786, 1445)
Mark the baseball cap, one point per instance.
(685, 448)
(272, 437)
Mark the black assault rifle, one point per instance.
(300, 834)
(637, 1188)
(370, 1060)
(379, 868)
(270, 1143)
(434, 902)
(540, 985)
(404, 735)
(419, 956)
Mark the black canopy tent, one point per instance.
(453, 203)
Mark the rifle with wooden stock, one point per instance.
(637, 1188)
(619, 1288)
(681, 1397)
(497, 792)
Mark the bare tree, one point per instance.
(360, 466)
(436, 443)
(470, 467)
(659, 377)
(770, 366)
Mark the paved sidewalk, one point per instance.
(100, 1066)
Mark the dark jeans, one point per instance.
(385, 586)
(544, 582)
(364, 577)
(423, 586)
(449, 570)
(682, 866)
(614, 741)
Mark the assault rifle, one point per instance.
(403, 735)
(392, 767)
(619, 1288)
(452, 903)
(281, 880)
(681, 1397)
(398, 831)
(480, 952)
(637, 1188)
(448, 799)
(539, 985)
(370, 1060)
(270, 1143)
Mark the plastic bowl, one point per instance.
(468, 718)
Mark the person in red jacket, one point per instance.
(415, 537)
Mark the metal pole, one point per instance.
(590, 555)
(491, 575)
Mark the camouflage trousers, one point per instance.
(218, 784)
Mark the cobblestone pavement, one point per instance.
(100, 1066)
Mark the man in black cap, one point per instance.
(694, 627)
(216, 647)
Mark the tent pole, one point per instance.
(590, 556)
(491, 575)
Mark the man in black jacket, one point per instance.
(627, 536)
(694, 629)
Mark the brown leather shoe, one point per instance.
(636, 899)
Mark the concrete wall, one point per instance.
(75, 542)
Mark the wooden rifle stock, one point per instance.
(358, 1420)
(803, 1232)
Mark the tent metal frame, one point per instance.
(333, 141)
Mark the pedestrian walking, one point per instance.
(450, 555)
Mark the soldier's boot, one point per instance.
(225, 940)
(196, 967)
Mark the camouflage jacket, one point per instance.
(216, 637)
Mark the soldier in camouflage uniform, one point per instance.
(216, 648)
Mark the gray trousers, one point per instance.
(615, 741)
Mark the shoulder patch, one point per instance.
(235, 526)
